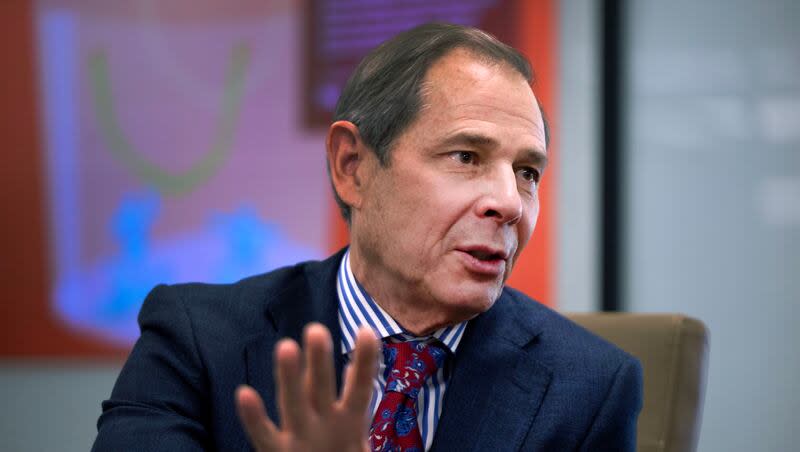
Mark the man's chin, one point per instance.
(467, 304)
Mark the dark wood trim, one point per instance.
(612, 174)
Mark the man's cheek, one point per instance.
(530, 224)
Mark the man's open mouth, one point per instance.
(485, 255)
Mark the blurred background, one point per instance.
(149, 141)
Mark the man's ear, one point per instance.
(346, 154)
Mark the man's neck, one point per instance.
(414, 312)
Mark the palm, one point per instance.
(312, 418)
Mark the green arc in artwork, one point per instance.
(166, 182)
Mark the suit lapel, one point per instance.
(258, 364)
(496, 385)
(308, 297)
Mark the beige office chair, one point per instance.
(673, 350)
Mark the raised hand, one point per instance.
(311, 416)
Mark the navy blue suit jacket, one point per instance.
(524, 377)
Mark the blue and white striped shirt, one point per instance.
(356, 308)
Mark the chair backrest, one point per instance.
(673, 350)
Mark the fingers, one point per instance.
(292, 400)
(307, 397)
(259, 428)
(320, 380)
(358, 385)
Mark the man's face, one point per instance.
(441, 226)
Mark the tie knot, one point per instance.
(410, 363)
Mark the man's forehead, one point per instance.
(461, 72)
(462, 63)
(462, 86)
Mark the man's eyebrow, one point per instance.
(536, 156)
(472, 139)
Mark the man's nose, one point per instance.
(502, 200)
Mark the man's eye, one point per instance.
(464, 157)
(529, 174)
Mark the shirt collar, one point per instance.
(357, 308)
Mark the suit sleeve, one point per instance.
(614, 427)
(157, 402)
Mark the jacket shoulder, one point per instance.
(564, 343)
(218, 309)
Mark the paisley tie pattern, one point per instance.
(411, 363)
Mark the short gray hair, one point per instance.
(384, 94)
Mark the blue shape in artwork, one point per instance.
(132, 274)
(106, 295)
(132, 222)
(247, 238)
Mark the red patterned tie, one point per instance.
(394, 427)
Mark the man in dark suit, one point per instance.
(435, 157)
